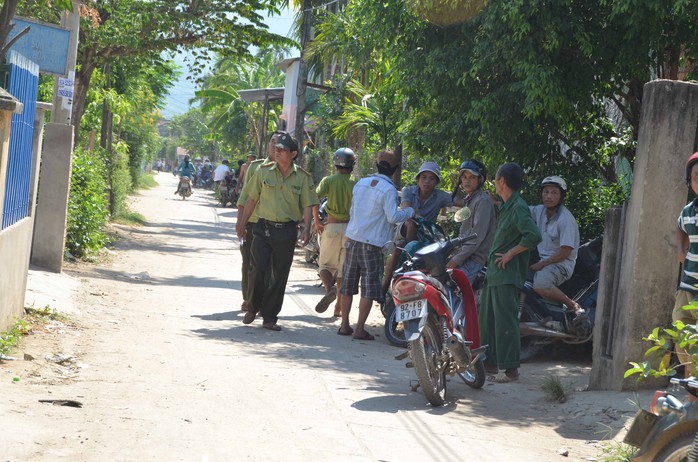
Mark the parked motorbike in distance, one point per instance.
(438, 313)
(226, 192)
(668, 431)
(205, 180)
(184, 188)
(427, 233)
(543, 321)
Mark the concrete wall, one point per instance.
(649, 269)
(15, 246)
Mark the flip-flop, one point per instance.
(349, 332)
(502, 378)
(365, 336)
(326, 300)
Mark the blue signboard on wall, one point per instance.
(45, 44)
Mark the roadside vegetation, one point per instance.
(553, 85)
(33, 318)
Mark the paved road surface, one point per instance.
(166, 371)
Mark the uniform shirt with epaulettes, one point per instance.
(249, 174)
(280, 199)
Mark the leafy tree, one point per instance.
(237, 123)
(141, 30)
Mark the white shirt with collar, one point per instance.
(374, 211)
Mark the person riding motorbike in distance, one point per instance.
(558, 249)
(472, 258)
(186, 168)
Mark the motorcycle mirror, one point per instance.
(461, 215)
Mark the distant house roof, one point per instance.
(259, 95)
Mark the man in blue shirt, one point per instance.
(374, 211)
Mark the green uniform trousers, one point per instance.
(271, 258)
(499, 325)
(246, 256)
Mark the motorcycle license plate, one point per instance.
(411, 310)
(640, 429)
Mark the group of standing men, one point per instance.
(361, 216)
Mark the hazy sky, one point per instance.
(183, 90)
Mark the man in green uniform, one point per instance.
(246, 244)
(507, 265)
(280, 195)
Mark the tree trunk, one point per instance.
(82, 84)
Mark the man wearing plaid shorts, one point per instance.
(374, 211)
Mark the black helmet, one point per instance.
(344, 158)
(187, 158)
(475, 167)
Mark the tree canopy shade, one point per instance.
(144, 29)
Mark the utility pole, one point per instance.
(51, 215)
(302, 80)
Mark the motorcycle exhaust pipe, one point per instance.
(534, 329)
(457, 350)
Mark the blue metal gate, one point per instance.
(23, 84)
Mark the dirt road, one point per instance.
(156, 352)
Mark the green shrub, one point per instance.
(87, 205)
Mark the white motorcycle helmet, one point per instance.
(554, 180)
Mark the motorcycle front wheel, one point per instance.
(393, 329)
(427, 354)
(474, 376)
(677, 449)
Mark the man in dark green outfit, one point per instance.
(507, 265)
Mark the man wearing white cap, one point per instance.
(427, 202)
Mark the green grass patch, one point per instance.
(129, 218)
(555, 389)
(617, 452)
(22, 326)
(146, 181)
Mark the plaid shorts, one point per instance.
(364, 261)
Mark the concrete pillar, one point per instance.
(37, 149)
(647, 280)
(52, 205)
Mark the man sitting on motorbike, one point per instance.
(427, 202)
(558, 249)
(186, 168)
(472, 258)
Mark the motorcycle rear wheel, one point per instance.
(393, 329)
(427, 353)
(677, 449)
(474, 376)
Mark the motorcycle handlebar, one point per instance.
(459, 241)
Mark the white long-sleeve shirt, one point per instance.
(374, 211)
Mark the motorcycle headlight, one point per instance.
(408, 289)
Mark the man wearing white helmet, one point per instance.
(427, 201)
(558, 249)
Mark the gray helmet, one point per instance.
(344, 158)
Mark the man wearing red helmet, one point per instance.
(687, 247)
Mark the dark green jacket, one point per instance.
(515, 226)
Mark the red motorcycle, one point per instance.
(439, 317)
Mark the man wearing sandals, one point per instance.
(515, 236)
(374, 211)
(337, 189)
